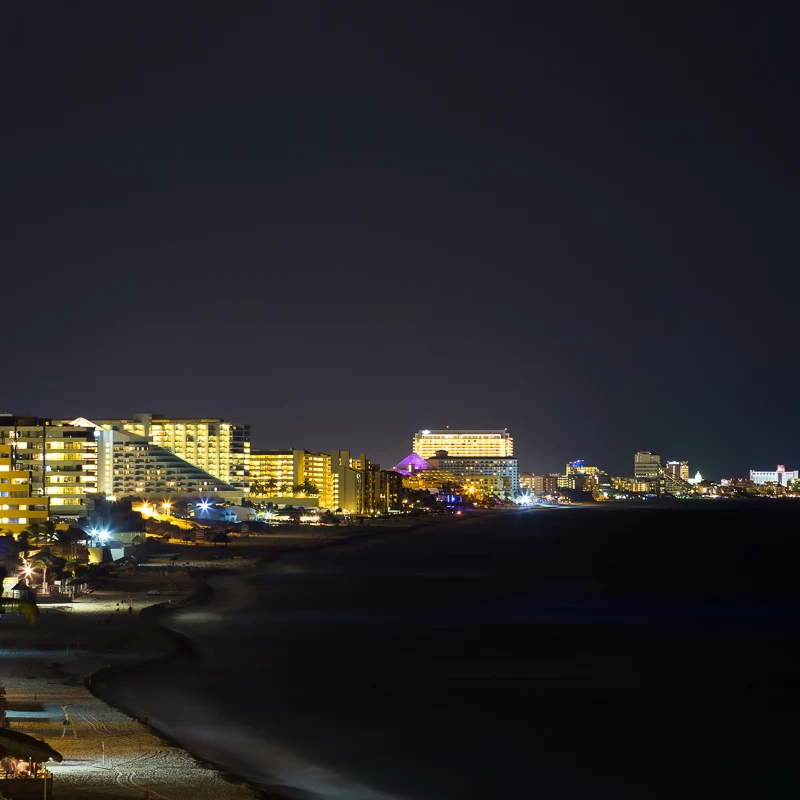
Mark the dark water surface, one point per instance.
(576, 653)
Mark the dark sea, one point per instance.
(563, 653)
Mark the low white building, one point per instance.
(781, 475)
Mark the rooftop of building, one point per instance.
(23, 420)
(412, 463)
(459, 431)
(448, 457)
(159, 418)
(283, 450)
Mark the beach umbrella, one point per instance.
(20, 745)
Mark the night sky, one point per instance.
(342, 222)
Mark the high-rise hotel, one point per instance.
(220, 448)
(61, 460)
(483, 459)
(339, 480)
(19, 507)
(459, 444)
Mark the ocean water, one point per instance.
(564, 653)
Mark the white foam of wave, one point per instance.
(268, 763)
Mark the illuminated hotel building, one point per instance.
(535, 484)
(491, 475)
(19, 508)
(272, 471)
(220, 448)
(275, 473)
(780, 476)
(61, 460)
(637, 485)
(578, 476)
(646, 465)
(527, 480)
(417, 473)
(678, 469)
(352, 484)
(580, 468)
(464, 443)
(132, 466)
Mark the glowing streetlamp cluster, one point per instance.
(147, 509)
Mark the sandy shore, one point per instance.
(107, 753)
(47, 670)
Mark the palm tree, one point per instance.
(48, 533)
(24, 541)
(271, 486)
(42, 561)
(70, 566)
(65, 539)
(33, 531)
(306, 489)
(42, 533)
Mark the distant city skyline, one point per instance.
(614, 460)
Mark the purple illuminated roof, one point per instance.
(411, 464)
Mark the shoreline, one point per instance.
(78, 652)
(106, 752)
(180, 646)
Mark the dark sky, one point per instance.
(345, 221)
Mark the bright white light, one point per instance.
(205, 505)
(104, 535)
(426, 433)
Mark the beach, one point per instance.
(50, 664)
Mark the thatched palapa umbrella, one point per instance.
(20, 745)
